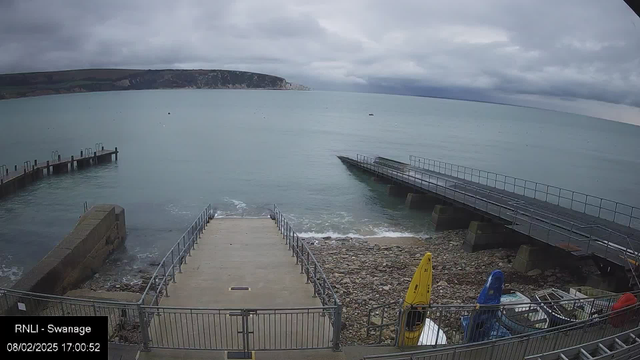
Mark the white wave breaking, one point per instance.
(13, 273)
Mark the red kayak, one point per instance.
(619, 319)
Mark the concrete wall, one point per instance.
(80, 254)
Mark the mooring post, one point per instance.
(80, 153)
(71, 162)
(35, 163)
(116, 153)
(59, 157)
(48, 169)
(15, 168)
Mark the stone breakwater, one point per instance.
(370, 272)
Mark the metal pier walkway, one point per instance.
(579, 223)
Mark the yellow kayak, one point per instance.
(418, 296)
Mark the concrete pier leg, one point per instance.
(104, 159)
(60, 168)
(420, 201)
(531, 257)
(449, 218)
(397, 190)
(486, 235)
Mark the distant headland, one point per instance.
(19, 85)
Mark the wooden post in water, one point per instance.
(116, 153)
(95, 157)
(71, 162)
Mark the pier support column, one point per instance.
(397, 190)
(450, 218)
(420, 201)
(82, 163)
(531, 257)
(486, 235)
(61, 168)
(104, 159)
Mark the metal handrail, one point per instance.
(512, 339)
(454, 170)
(511, 213)
(598, 298)
(175, 257)
(313, 271)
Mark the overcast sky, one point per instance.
(574, 55)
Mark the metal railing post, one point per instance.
(337, 326)
(315, 279)
(308, 269)
(292, 247)
(173, 268)
(164, 283)
(144, 327)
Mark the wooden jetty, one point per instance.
(11, 180)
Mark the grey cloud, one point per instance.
(586, 49)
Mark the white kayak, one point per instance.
(431, 334)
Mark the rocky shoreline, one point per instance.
(370, 272)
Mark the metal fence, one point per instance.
(240, 329)
(529, 343)
(309, 266)
(459, 324)
(588, 204)
(544, 227)
(124, 318)
(166, 271)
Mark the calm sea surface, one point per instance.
(242, 151)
